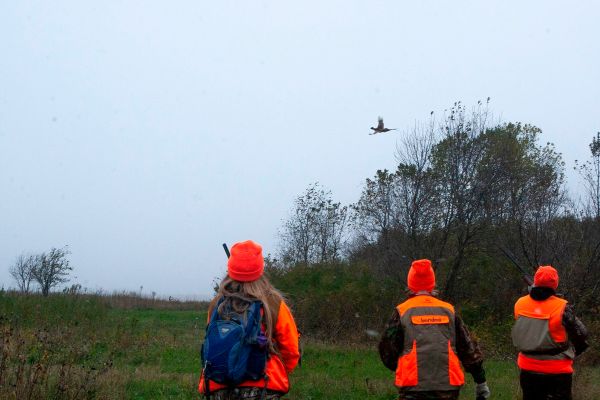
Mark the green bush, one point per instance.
(337, 302)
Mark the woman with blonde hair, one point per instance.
(266, 349)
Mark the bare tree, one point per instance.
(22, 271)
(316, 229)
(414, 188)
(527, 183)
(583, 256)
(375, 220)
(590, 172)
(375, 213)
(455, 164)
(297, 237)
(52, 269)
(332, 220)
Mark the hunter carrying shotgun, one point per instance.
(547, 335)
(251, 342)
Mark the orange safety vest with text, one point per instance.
(286, 337)
(540, 336)
(428, 361)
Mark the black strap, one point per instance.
(206, 382)
(264, 391)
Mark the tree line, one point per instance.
(465, 187)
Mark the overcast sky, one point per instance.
(144, 134)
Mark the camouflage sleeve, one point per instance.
(392, 342)
(576, 330)
(468, 351)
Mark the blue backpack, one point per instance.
(235, 348)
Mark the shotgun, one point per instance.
(226, 249)
(526, 277)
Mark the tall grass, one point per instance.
(135, 301)
(47, 350)
(84, 347)
(78, 346)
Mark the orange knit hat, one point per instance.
(246, 262)
(546, 276)
(421, 276)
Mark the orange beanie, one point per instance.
(246, 262)
(421, 276)
(546, 276)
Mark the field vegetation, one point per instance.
(127, 347)
(106, 347)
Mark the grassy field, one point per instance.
(81, 348)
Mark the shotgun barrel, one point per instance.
(226, 249)
(526, 277)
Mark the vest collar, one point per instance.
(433, 293)
(541, 293)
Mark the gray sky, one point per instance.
(144, 134)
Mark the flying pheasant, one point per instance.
(380, 128)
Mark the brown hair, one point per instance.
(239, 295)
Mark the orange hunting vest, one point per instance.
(540, 336)
(428, 361)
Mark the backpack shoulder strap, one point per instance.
(215, 312)
(254, 315)
(254, 312)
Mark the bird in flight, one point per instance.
(380, 128)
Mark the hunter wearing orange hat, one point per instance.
(265, 352)
(425, 343)
(548, 336)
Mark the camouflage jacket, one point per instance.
(433, 395)
(576, 330)
(243, 393)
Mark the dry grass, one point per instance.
(82, 346)
(36, 364)
(135, 301)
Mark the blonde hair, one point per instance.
(239, 295)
